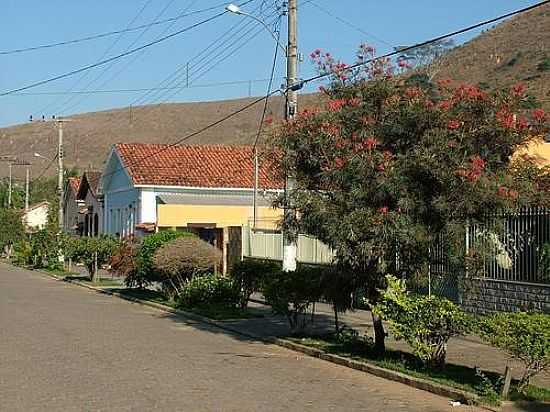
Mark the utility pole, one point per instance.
(10, 185)
(289, 235)
(27, 183)
(60, 170)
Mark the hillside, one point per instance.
(89, 136)
(515, 50)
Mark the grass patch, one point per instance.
(61, 273)
(100, 282)
(225, 313)
(212, 312)
(485, 384)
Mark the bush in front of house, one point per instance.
(145, 273)
(123, 263)
(525, 336)
(292, 293)
(426, 323)
(208, 290)
(249, 274)
(93, 252)
(180, 259)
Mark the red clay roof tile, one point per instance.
(194, 166)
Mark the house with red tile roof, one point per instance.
(205, 188)
(71, 206)
(91, 206)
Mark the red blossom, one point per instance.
(522, 123)
(268, 120)
(383, 210)
(413, 92)
(468, 92)
(506, 118)
(478, 163)
(502, 191)
(453, 124)
(341, 143)
(445, 105)
(370, 143)
(367, 120)
(381, 167)
(518, 90)
(538, 115)
(336, 105)
(451, 144)
(339, 162)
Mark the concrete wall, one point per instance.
(488, 295)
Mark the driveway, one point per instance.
(65, 348)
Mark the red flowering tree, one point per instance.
(388, 165)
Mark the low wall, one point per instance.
(489, 295)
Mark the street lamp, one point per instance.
(36, 154)
(233, 8)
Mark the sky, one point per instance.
(228, 49)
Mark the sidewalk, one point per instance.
(468, 350)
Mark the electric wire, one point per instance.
(111, 33)
(119, 56)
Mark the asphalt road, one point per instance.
(65, 348)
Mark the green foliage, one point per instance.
(146, 272)
(92, 251)
(291, 294)
(45, 249)
(388, 166)
(22, 253)
(544, 65)
(426, 323)
(11, 228)
(525, 336)
(249, 274)
(208, 290)
(544, 262)
(180, 259)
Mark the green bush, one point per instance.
(11, 228)
(291, 294)
(45, 249)
(92, 252)
(146, 273)
(248, 276)
(180, 259)
(22, 254)
(426, 323)
(544, 262)
(525, 336)
(208, 290)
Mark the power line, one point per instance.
(185, 68)
(119, 56)
(269, 86)
(138, 90)
(433, 40)
(111, 33)
(67, 107)
(242, 109)
(348, 23)
(103, 55)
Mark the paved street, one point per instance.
(67, 348)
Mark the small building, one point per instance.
(72, 223)
(204, 189)
(36, 217)
(91, 204)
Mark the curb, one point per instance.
(418, 383)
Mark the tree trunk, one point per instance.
(379, 334)
(336, 323)
(95, 272)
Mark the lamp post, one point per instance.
(291, 105)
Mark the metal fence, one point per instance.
(268, 244)
(513, 245)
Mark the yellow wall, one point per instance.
(222, 216)
(539, 150)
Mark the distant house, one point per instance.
(90, 202)
(36, 217)
(204, 189)
(71, 206)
